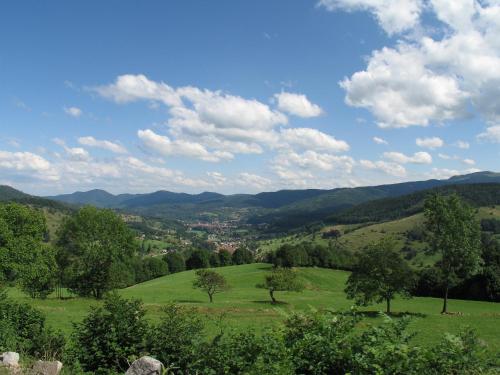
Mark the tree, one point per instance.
(22, 230)
(455, 233)
(242, 256)
(224, 258)
(93, 243)
(282, 280)
(198, 259)
(176, 262)
(38, 279)
(379, 274)
(210, 282)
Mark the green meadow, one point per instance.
(246, 306)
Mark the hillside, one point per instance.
(357, 236)
(477, 195)
(281, 209)
(247, 306)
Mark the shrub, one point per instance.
(22, 329)
(110, 336)
(177, 339)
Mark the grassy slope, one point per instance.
(248, 306)
(356, 238)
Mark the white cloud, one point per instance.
(107, 145)
(73, 111)
(469, 161)
(217, 177)
(24, 166)
(297, 104)
(444, 173)
(448, 157)
(23, 161)
(75, 153)
(166, 147)
(129, 88)
(400, 91)
(380, 141)
(392, 169)
(308, 138)
(462, 144)
(253, 181)
(432, 143)
(417, 158)
(226, 123)
(492, 134)
(434, 75)
(314, 160)
(393, 15)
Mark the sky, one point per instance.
(241, 96)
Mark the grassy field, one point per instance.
(247, 306)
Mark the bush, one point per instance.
(110, 336)
(177, 339)
(22, 329)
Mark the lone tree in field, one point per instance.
(455, 233)
(282, 280)
(379, 274)
(211, 282)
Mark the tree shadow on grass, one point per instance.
(188, 301)
(277, 303)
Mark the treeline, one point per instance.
(110, 337)
(477, 195)
(94, 253)
(475, 270)
(307, 254)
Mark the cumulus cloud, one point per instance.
(492, 134)
(393, 15)
(164, 146)
(469, 161)
(401, 91)
(308, 138)
(129, 88)
(73, 111)
(380, 141)
(26, 165)
(416, 158)
(75, 153)
(392, 169)
(297, 105)
(315, 160)
(431, 143)
(431, 76)
(107, 145)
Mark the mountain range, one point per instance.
(285, 207)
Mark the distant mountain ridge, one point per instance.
(309, 201)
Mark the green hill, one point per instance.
(247, 306)
(357, 236)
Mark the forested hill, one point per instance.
(9, 194)
(308, 199)
(477, 195)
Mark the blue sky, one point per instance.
(246, 96)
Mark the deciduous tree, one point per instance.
(379, 274)
(454, 233)
(210, 282)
